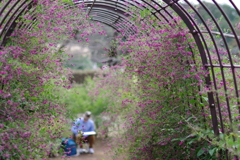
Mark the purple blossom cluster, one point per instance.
(159, 89)
(32, 116)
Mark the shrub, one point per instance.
(81, 76)
(31, 75)
(78, 101)
(158, 94)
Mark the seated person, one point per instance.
(84, 124)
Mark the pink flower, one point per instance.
(3, 72)
(9, 102)
(181, 142)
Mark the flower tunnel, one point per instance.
(218, 47)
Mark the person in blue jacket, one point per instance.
(84, 124)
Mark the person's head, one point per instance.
(87, 116)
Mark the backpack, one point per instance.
(69, 146)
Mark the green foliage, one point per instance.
(204, 150)
(216, 144)
(80, 76)
(78, 100)
(178, 99)
(32, 114)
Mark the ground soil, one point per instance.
(99, 148)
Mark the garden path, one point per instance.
(99, 148)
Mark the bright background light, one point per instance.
(237, 2)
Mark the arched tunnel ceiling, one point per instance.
(115, 13)
(112, 12)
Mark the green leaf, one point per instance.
(67, 1)
(211, 152)
(235, 115)
(234, 106)
(33, 98)
(189, 119)
(221, 136)
(193, 140)
(192, 101)
(200, 152)
(205, 98)
(176, 139)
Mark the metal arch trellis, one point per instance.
(114, 12)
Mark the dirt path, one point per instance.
(99, 148)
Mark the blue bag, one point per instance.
(69, 146)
